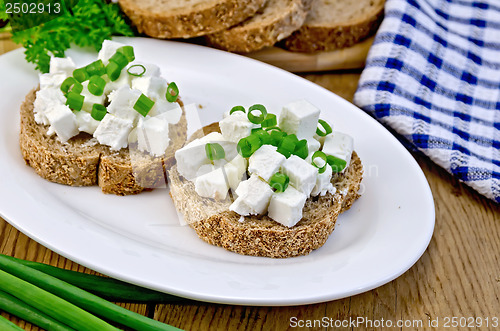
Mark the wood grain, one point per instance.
(458, 275)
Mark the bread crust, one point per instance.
(260, 235)
(207, 17)
(84, 162)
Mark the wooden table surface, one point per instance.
(456, 279)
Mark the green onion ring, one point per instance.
(74, 101)
(247, 146)
(269, 121)
(326, 127)
(81, 75)
(119, 59)
(143, 105)
(257, 119)
(214, 151)
(113, 70)
(287, 145)
(337, 164)
(98, 112)
(277, 136)
(301, 149)
(96, 68)
(237, 108)
(264, 137)
(96, 85)
(137, 74)
(321, 155)
(70, 84)
(172, 92)
(279, 182)
(128, 52)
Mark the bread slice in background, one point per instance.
(277, 20)
(82, 161)
(167, 19)
(260, 235)
(334, 24)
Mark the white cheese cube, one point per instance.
(299, 118)
(286, 207)
(47, 99)
(229, 147)
(123, 80)
(113, 131)
(253, 197)
(108, 49)
(62, 64)
(235, 171)
(62, 122)
(152, 135)
(122, 103)
(153, 87)
(89, 98)
(171, 111)
(52, 80)
(190, 158)
(323, 183)
(301, 173)
(339, 145)
(212, 185)
(236, 126)
(151, 69)
(313, 145)
(85, 122)
(265, 162)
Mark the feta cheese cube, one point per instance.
(286, 207)
(108, 49)
(171, 111)
(123, 80)
(313, 145)
(236, 126)
(235, 171)
(113, 131)
(265, 162)
(299, 117)
(339, 145)
(212, 185)
(253, 197)
(190, 158)
(323, 183)
(52, 80)
(301, 173)
(62, 122)
(85, 122)
(153, 87)
(122, 103)
(152, 135)
(46, 99)
(62, 65)
(89, 98)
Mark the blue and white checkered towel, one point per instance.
(433, 75)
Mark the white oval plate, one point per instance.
(139, 238)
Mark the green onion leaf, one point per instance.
(321, 165)
(263, 135)
(247, 146)
(128, 52)
(172, 92)
(237, 108)
(96, 85)
(7, 325)
(119, 59)
(337, 164)
(81, 74)
(269, 121)
(287, 145)
(98, 112)
(75, 101)
(326, 127)
(279, 182)
(214, 151)
(136, 72)
(301, 149)
(257, 119)
(113, 70)
(143, 105)
(96, 68)
(70, 84)
(277, 136)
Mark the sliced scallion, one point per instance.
(279, 182)
(336, 163)
(237, 108)
(74, 101)
(143, 105)
(119, 59)
(96, 68)
(301, 149)
(325, 129)
(172, 92)
(257, 119)
(98, 112)
(128, 52)
(214, 151)
(70, 84)
(81, 74)
(96, 85)
(7, 325)
(263, 135)
(113, 70)
(322, 163)
(247, 146)
(277, 136)
(137, 70)
(269, 121)
(287, 145)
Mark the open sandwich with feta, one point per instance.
(115, 123)
(263, 185)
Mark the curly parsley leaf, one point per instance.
(88, 24)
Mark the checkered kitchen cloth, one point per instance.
(433, 75)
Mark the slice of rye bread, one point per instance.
(274, 22)
(334, 24)
(260, 235)
(187, 18)
(82, 161)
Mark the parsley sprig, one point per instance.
(88, 25)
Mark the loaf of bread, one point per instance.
(260, 235)
(334, 24)
(82, 161)
(187, 18)
(274, 22)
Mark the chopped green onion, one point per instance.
(263, 135)
(337, 164)
(214, 151)
(113, 70)
(131, 72)
(96, 68)
(81, 74)
(96, 85)
(279, 182)
(172, 92)
(70, 84)
(321, 155)
(257, 119)
(326, 127)
(287, 145)
(277, 136)
(247, 146)
(98, 112)
(143, 105)
(75, 101)
(128, 52)
(237, 108)
(301, 149)
(119, 59)
(269, 121)
(273, 128)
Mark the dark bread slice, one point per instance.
(260, 235)
(82, 161)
